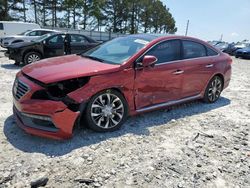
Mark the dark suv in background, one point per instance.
(50, 45)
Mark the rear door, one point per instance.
(161, 83)
(198, 69)
(78, 43)
(54, 46)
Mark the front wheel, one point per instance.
(106, 111)
(31, 57)
(213, 90)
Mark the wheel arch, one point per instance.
(31, 50)
(216, 74)
(222, 78)
(83, 106)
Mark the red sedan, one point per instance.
(122, 77)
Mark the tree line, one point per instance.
(123, 16)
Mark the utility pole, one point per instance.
(187, 28)
(221, 37)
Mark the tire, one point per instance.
(106, 111)
(236, 56)
(31, 57)
(213, 90)
(17, 63)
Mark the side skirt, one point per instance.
(170, 103)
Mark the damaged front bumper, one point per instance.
(46, 118)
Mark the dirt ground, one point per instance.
(191, 145)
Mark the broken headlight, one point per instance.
(59, 90)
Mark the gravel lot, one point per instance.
(191, 145)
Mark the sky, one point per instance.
(209, 19)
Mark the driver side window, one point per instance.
(58, 39)
(166, 51)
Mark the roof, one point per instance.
(17, 22)
(45, 30)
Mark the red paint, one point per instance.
(148, 60)
(141, 87)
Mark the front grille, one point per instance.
(20, 89)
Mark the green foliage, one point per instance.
(124, 16)
(11, 10)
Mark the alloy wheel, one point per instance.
(215, 89)
(107, 110)
(32, 58)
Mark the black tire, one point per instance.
(236, 56)
(100, 111)
(213, 90)
(17, 63)
(31, 57)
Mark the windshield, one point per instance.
(41, 38)
(222, 44)
(117, 50)
(24, 32)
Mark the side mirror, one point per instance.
(148, 60)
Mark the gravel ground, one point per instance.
(191, 145)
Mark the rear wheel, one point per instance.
(106, 111)
(213, 90)
(31, 57)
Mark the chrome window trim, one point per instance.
(177, 61)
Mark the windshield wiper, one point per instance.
(92, 57)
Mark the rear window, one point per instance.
(1, 26)
(211, 52)
(193, 50)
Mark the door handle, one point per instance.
(209, 65)
(178, 72)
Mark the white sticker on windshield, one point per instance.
(140, 41)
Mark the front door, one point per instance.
(162, 82)
(54, 46)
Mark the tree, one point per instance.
(11, 10)
(123, 16)
(96, 11)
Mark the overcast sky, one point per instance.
(211, 18)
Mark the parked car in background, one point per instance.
(13, 28)
(243, 53)
(222, 46)
(214, 42)
(49, 45)
(237, 46)
(26, 36)
(125, 76)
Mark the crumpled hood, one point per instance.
(66, 67)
